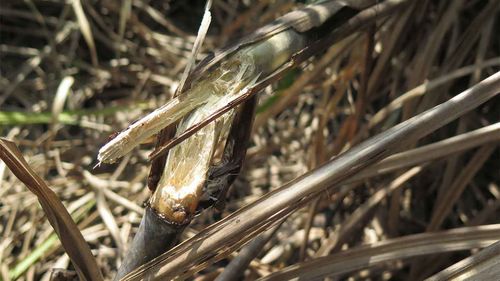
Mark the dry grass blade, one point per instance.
(452, 194)
(488, 134)
(35, 61)
(237, 266)
(62, 94)
(86, 30)
(202, 32)
(69, 234)
(391, 250)
(212, 243)
(104, 211)
(124, 16)
(482, 266)
(338, 238)
(427, 87)
(429, 53)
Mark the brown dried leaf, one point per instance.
(71, 238)
(484, 265)
(391, 250)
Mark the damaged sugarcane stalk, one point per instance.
(187, 165)
(186, 181)
(192, 177)
(155, 234)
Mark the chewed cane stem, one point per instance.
(261, 58)
(185, 173)
(180, 187)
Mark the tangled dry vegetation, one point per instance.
(74, 72)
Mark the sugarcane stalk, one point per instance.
(151, 240)
(184, 180)
(155, 234)
(190, 164)
(211, 92)
(185, 173)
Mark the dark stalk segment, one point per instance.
(154, 237)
